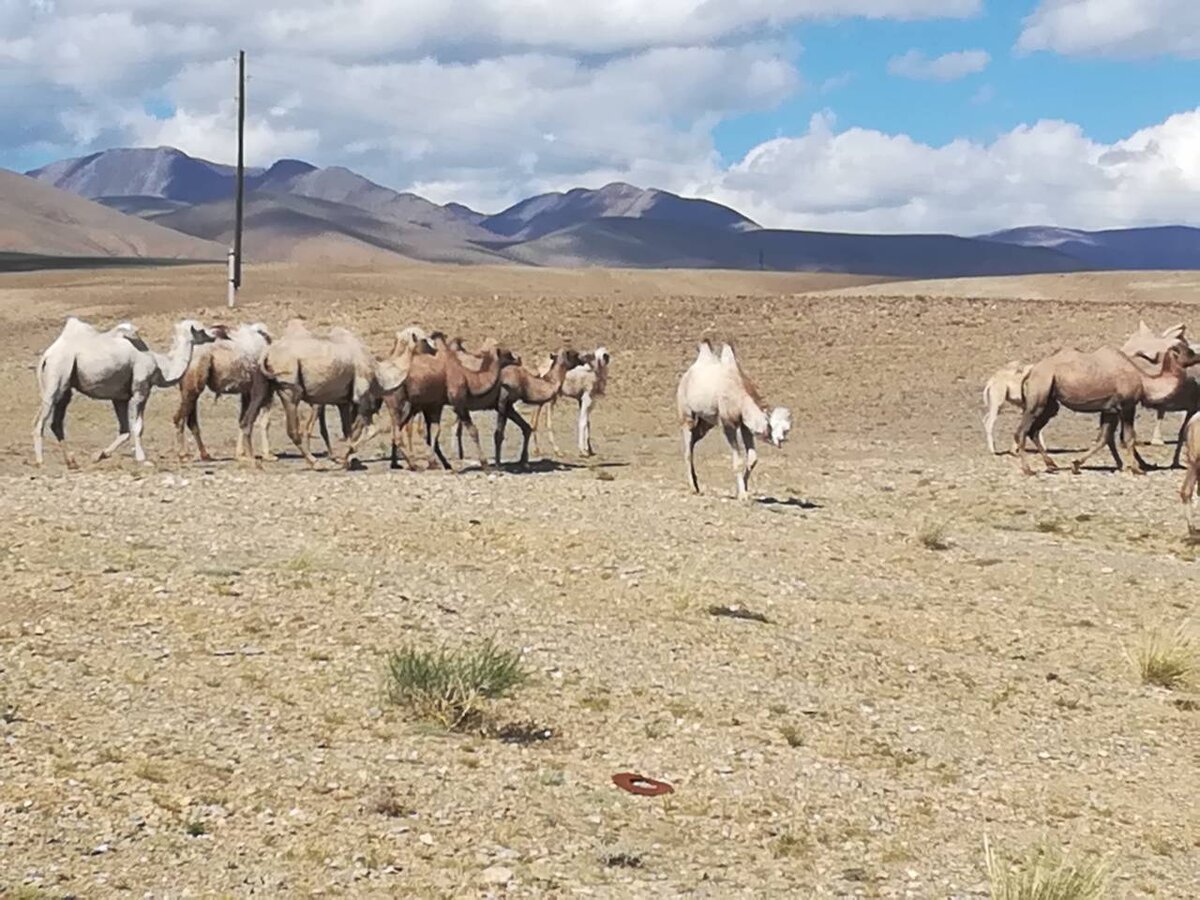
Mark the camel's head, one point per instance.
(570, 358)
(507, 357)
(1185, 353)
(1151, 345)
(602, 356)
(779, 423)
(189, 329)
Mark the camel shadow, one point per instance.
(788, 502)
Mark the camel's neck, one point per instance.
(172, 366)
(1164, 385)
(754, 416)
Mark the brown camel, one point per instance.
(1104, 381)
(519, 384)
(225, 367)
(437, 381)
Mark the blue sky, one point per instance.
(880, 115)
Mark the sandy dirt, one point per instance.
(191, 656)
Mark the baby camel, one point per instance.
(225, 367)
(519, 384)
(715, 390)
(1191, 478)
(586, 383)
(114, 365)
(1003, 388)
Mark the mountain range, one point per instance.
(297, 211)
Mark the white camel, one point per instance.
(1003, 388)
(114, 365)
(714, 390)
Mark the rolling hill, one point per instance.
(37, 218)
(1162, 247)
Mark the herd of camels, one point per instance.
(1150, 369)
(421, 375)
(425, 372)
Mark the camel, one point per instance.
(1146, 342)
(714, 390)
(335, 369)
(114, 365)
(1003, 388)
(437, 381)
(224, 367)
(1191, 478)
(519, 384)
(586, 383)
(1104, 381)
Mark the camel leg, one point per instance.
(458, 433)
(1187, 493)
(1033, 420)
(1187, 417)
(1157, 437)
(181, 420)
(510, 414)
(261, 391)
(1108, 424)
(121, 408)
(263, 426)
(58, 417)
(1129, 441)
(585, 425)
(751, 454)
(991, 413)
(537, 417)
(465, 421)
(402, 417)
(299, 436)
(243, 406)
(550, 426)
(51, 400)
(739, 472)
(691, 437)
(193, 423)
(432, 428)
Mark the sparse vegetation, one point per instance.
(449, 686)
(737, 612)
(196, 828)
(622, 860)
(792, 735)
(388, 804)
(932, 536)
(1047, 874)
(1167, 658)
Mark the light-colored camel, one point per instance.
(225, 367)
(437, 381)
(1002, 389)
(114, 365)
(586, 383)
(715, 391)
(334, 369)
(1104, 381)
(519, 384)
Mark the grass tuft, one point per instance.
(450, 686)
(1047, 874)
(1167, 658)
(932, 536)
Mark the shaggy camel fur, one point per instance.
(437, 381)
(225, 367)
(519, 384)
(1003, 388)
(714, 390)
(331, 370)
(114, 365)
(1105, 381)
(586, 383)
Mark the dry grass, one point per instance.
(932, 536)
(1167, 658)
(1047, 874)
(449, 686)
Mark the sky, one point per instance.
(961, 116)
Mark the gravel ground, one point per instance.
(191, 656)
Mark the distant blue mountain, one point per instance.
(1161, 247)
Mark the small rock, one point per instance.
(496, 875)
(426, 839)
(100, 849)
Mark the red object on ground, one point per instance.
(641, 785)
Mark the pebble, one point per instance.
(496, 875)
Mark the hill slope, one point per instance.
(547, 213)
(1163, 247)
(654, 244)
(38, 218)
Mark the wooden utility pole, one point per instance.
(235, 262)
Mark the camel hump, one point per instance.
(727, 355)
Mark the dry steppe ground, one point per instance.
(191, 656)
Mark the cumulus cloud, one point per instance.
(1046, 173)
(1123, 28)
(947, 67)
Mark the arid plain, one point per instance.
(192, 655)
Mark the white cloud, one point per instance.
(1124, 28)
(1046, 173)
(947, 67)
